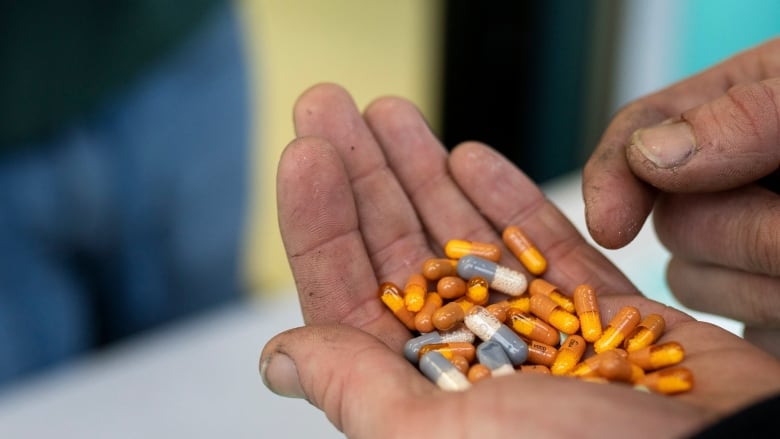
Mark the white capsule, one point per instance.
(442, 372)
(499, 278)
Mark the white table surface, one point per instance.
(199, 378)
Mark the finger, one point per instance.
(505, 195)
(617, 202)
(319, 224)
(356, 380)
(737, 229)
(386, 217)
(747, 297)
(719, 145)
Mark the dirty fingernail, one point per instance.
(280, 375)
(666, 145)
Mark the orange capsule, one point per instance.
(618, 328)
(460, 363)
(552, 313)
(499, 309)
(448, 316)
(614, 366)
(391, 296)
(540, 353)
(457, 248)
(437, 268)
(589, 367)
(415, 291)
(668, 381)
(532, 327)
(478, 372)
(657, 356)
(423, 320)
(461, 348)
(540, 286)
(569, 355)
(451, 287)
(534, 368)
(478, 290)
(587, 310)
(521, 302)
(646, 333)
(524, 250)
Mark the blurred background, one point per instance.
(538, 81)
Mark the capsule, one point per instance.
(521, 302)
(534, 368)
(449, 315)
(618, 328)
(478, 290)
(524, 250)
(615, 367)
(541, 353)
(458, 334)
(458, 248)
(657, 356)
(499, 278)
(646, 333)
(478, 372)
(443, 373)
(436, 268)
(552, 313)
(532, 327)
(415, 291)
(451, 287)
(589, 367)
(587, 310)
(540, 286)
(461, 363)
(668, 381)
(499, 309)
(449, 350)
(423, 320)
(492, 355)
(569, 355)
(487, 328)
(393, 298)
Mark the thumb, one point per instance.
(722, 144)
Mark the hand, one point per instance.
(705, 152)
(365, 199)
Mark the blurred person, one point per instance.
(123, 147)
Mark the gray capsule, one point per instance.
(460, 333)
(499, 278)
(442, 372)
(488, 328)
(492, 355)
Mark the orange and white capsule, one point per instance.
(668, 381)
(540, 286)
(618, 328)
(415, 291)
(646, 333)
(392, 297)
(457, 248)
(569, 355)
(587, 309)
(657, 356)
(552, 313)
(437, 268)
(524, 250)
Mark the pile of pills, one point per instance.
(462, 336)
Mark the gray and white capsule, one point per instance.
(492, 355)
(488, 328)
(459, 333)
(499, 278)
(442, 372)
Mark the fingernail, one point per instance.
(280, 375)
(667, 145)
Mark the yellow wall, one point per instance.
(372, 47)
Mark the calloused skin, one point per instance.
(711, 210)
(366, 198)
